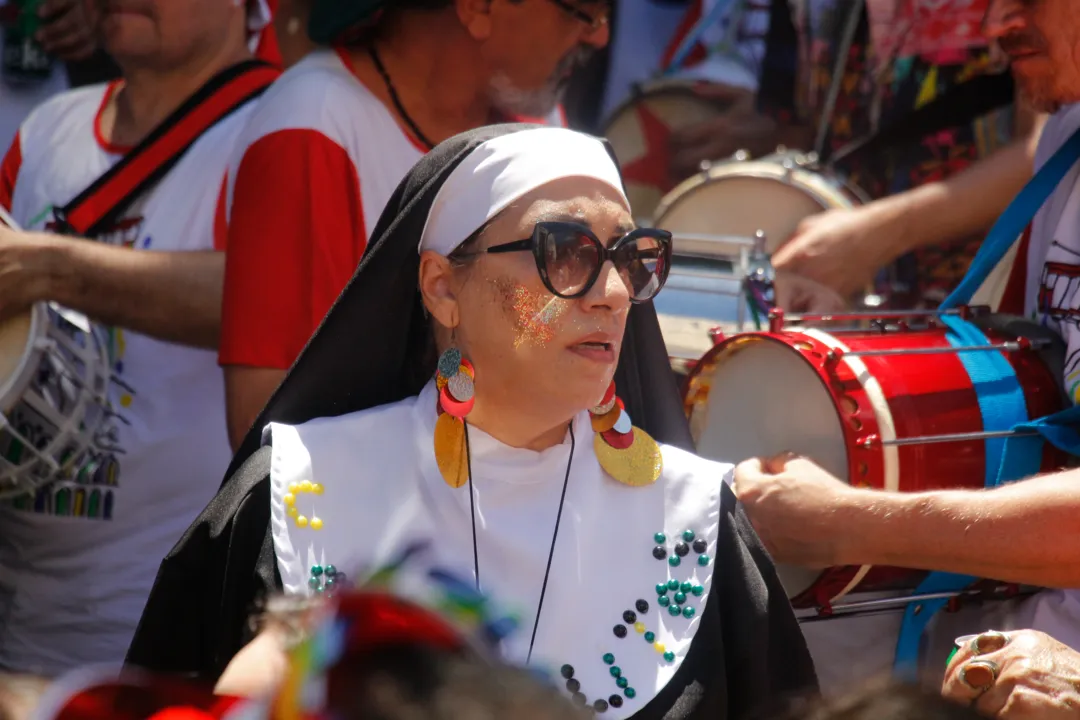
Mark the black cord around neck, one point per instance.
(554, 535)
(377, 61)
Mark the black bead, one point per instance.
(579, 699)
(642, 606)
(682, 550)
(616, 701)
(600, 706)
(659, 552)
(629, 617)
(573, 685)
(700, 546)
(620, 631)
(567, 671)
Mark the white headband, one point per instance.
(505, 169)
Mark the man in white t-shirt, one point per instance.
(332, 139)
(1027, 532)
(27, 79)
(74, 576)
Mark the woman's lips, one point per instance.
(601, 352)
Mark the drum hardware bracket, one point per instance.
(875, 441)
(778, 320)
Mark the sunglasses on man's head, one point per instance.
(569, 258)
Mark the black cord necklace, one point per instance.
(395, 99)
(554, 536)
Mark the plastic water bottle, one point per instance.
(25, 62)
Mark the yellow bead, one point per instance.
(660, 647)
(640, 627)
(293, 512)
(316, 523)
(301, 521)
(317, 489)
(294, 488)
(289, 499)
(305, 487)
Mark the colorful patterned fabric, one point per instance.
(906, 53)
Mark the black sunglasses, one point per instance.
(594, 21)
(569, 258)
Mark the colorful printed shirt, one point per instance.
(905, 54)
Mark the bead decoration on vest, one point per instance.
(573, 686)
(292, 497)
(324, 580)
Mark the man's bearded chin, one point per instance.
(510, 99)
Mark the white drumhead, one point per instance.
(765, 399)
(14, 348)
(740, 198)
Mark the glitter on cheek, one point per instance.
(534, 314)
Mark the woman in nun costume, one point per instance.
(460, 392)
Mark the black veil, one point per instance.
(372, 348)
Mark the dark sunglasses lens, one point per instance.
(642, 263)
(570, 260)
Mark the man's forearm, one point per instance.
(1026, 532)
(964, 205)
(173, 296)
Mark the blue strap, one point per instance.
(1012, 222)
(687, 45)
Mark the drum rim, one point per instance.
(644, 90)
(15, 386)
(721, 169)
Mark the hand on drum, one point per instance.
(1015, 676)
(69, 29)
(738, 127)
(841, 249)
(795, 506)
(797, 294)
(27, 265)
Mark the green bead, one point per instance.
(650, 637)
(703, 559)
(688, 536)
(672, 584)
(313, 583)
(680, 598)
(674, 560)
(316, 570)
(673, 610)
(688, 612)
(686, 587)
(660, 538)
(661, 588)
(630, 693)
(663, 600)
(698, 591)
(609, 659)
(615, 671)
(331, 570)
(622, 682)
(669, 656)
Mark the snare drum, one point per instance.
(638, 131)
(55, 420)
(740, 196)
(869, 406)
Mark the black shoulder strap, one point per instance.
(111, 194)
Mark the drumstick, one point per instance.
(6, 218)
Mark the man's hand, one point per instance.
(797, 294)
(1036, 677)
(795, 506)
(739, 126)
(841, 249)
(69, 28)
(27, 267)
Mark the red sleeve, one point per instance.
(296, 233)
(9, 171)
(221, 217)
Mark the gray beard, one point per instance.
(512, 100)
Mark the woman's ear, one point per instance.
(437, 288)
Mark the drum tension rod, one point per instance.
(874, 441)
(1011, 346)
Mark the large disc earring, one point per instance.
(457, 393)
(627, 453)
